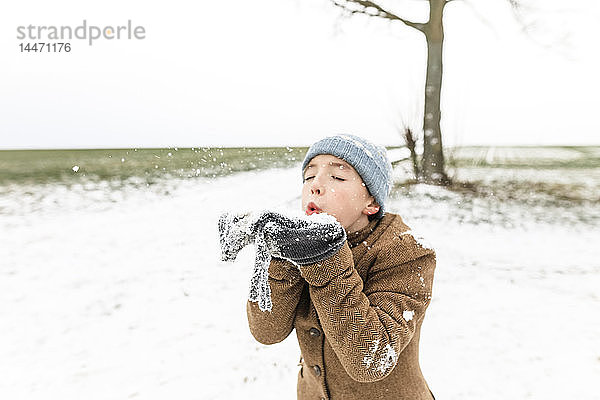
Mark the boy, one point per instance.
(358, 310)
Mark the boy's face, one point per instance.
(333, 186)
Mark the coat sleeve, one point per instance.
(269, 327)
(369, 324)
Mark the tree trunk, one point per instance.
(432, 163)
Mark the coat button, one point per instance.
(314, 332)
(317, 370)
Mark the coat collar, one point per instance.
(359, 236)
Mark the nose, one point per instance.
(316, 186)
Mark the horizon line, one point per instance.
(276, 147)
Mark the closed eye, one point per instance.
(333, 176)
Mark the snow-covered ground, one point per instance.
(129, 299)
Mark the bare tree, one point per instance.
(432, 168)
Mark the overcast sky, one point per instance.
(288, 72)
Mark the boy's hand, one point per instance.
(234, 234)
(302, 240)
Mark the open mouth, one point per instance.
(312, 208)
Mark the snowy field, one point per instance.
(127, 298)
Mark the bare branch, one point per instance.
(532, 27)
(481, 17)
(517, 7)
(374, 10)
(514, 4)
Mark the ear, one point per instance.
(372, 208)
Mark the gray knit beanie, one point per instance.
(369, 160)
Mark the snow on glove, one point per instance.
(237, 231)
(303, 240)
(234, 234)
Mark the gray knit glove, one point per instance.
(234, 234)
(237, 231)
(303, 240)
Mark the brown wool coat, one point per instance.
(357, 315)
